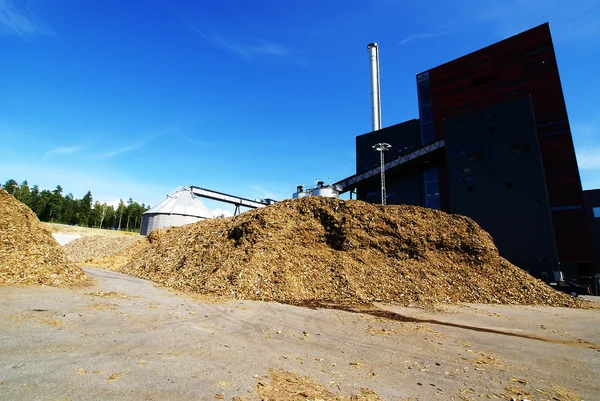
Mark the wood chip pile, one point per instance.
(85, 249)
(28, 252)
(328, 250)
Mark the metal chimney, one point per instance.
(375, 97)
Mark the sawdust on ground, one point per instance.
(280, 385)
(28, 252)
(322, 250)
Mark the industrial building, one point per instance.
(492, 142)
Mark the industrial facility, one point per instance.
(493, 143)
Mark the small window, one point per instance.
(475, 157)
(460, 88)
(514, 92)
(565, 208)
(464, 106)
(540, 62)
(484, 79)
(520, 148)
(509, 185)
(552, 133)
(536, 51)
(479, 64)
(512, 83)
(596, 211)
(551, 123)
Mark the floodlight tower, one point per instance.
(382, 147)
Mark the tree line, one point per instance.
(54, 207)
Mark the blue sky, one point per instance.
(132, 98)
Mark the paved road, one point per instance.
(126, 339)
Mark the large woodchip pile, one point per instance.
(328, 250)
(28, 252)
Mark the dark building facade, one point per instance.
(509, 160)
(592, 208)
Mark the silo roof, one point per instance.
(181, 202)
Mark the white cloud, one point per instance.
(63, 151)
(248, 51)
(122, 150)
(417, 36)
(16, 19)
(220, 212)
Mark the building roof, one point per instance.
(181, 202)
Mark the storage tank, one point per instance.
(300, 192)
(180, 208)
(327, 191)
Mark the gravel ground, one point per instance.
(126, 339)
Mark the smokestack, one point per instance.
(375, 98)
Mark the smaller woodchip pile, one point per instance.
(28, 252)
(85, 249)
(328, 250)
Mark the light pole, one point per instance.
(382, 147)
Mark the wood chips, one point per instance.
(324, 250)
(85, 249)
(28, 252)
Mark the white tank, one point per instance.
(327, 191)
(300, 192)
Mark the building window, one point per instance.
(552, 133)
(536, 51)
(432, 188)
(475, 157)
(551, 123)
(520, 148)
(514, 92)
(512, 83)
(539, 62)
(464, 106)
(563, 208)
(596, 211)
(484, 79)
(479, 64)
(425, 108)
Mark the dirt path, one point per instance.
(126, 339)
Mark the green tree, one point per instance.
(84, 210)
(24, 194)
(35, 200)
(10, 186)
(45, 205)
(69, 215)
(120, 211)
